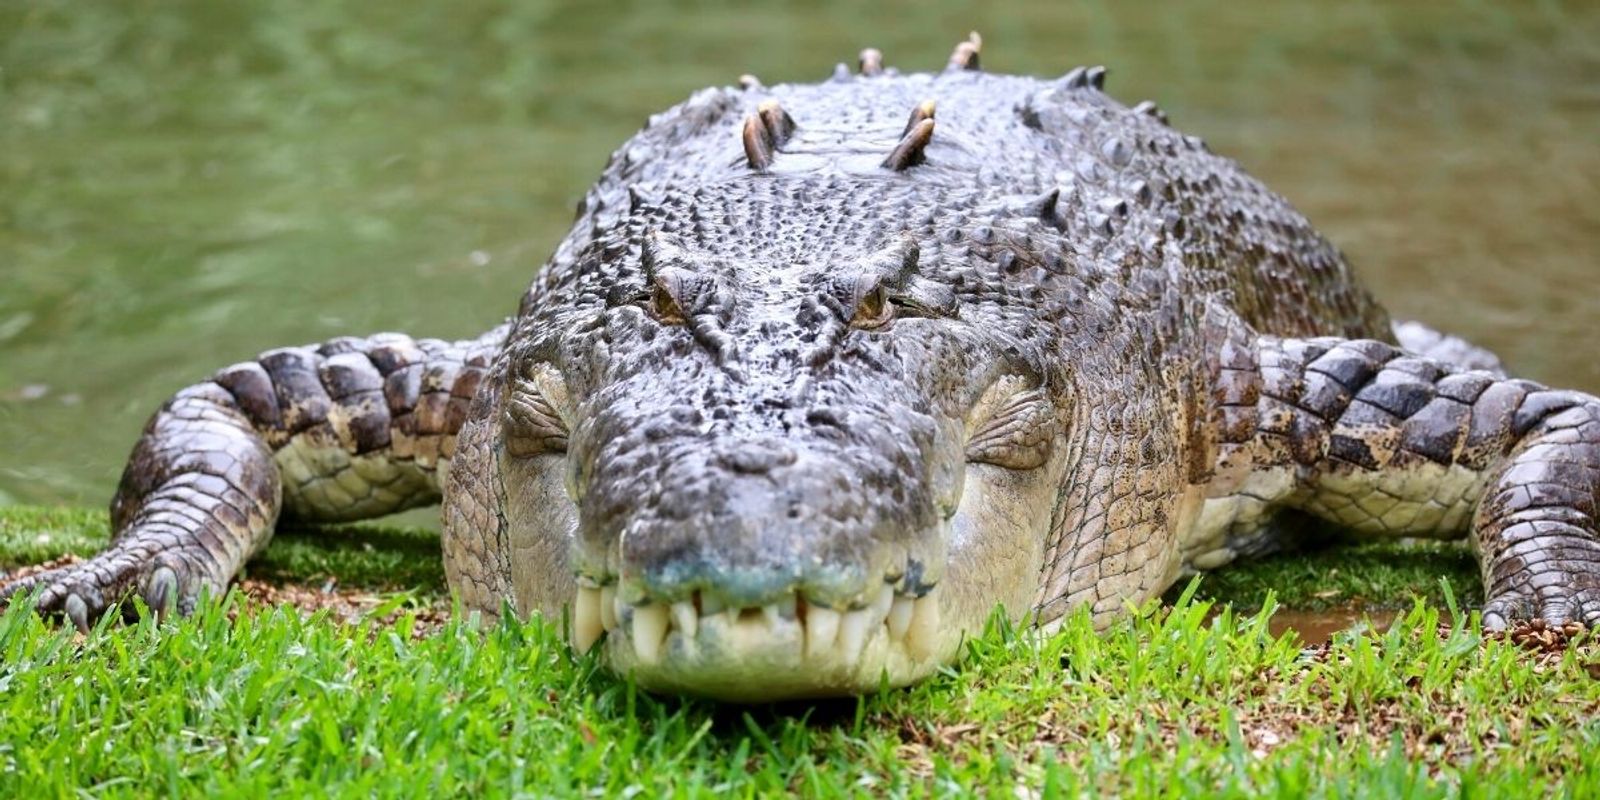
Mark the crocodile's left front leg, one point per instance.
(1385, 442)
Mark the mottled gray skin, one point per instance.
(792, 409)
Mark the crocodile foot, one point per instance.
(1563, 588)
(84, 591)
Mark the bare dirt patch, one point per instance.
(349, 606)
(34, 569)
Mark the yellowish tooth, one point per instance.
(608, 607)
(685, 619)
(779, 611)
(853, 630)
(882, 603)
(749, 633)
(922, 637)
(649, 630)
(900, 616)
(822, 628)
(586, 627)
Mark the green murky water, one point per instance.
(185, 184)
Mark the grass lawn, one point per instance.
(379, 694)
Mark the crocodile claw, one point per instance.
(1557, 606)
(161, 590)
(84, 591)
(78, 611)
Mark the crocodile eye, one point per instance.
(873, 310)
(1015, 432)
(664, 307)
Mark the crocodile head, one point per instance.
(774, 472)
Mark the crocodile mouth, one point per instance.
(793, 647)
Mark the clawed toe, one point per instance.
(1502, 613)
(1569, 612)
(82, 593)
(161, 590)
(77, 610)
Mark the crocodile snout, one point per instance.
(745, 522)
(759, 556)
(756, 458)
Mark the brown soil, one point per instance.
(349, 606)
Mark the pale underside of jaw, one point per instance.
(786, 648)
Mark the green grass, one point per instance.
(1186, 700)
(1376, 574)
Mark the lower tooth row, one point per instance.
(913, 621)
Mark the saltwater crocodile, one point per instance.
(825, 373)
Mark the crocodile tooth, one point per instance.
(749, 631)
(882, 603)
(685, 619)
(586, 627)
(859, 624)
(779, 611)
(649, 630)
(822, 628)
(853, 629)
(900, 616)
(608, 607)
(923, 634)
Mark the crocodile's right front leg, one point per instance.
(352, 429)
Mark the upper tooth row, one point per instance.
(913, 621)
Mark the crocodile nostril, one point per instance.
(757, 458)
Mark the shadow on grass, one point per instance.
(1337, 573)
(370, 556)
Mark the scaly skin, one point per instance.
(824, 373)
